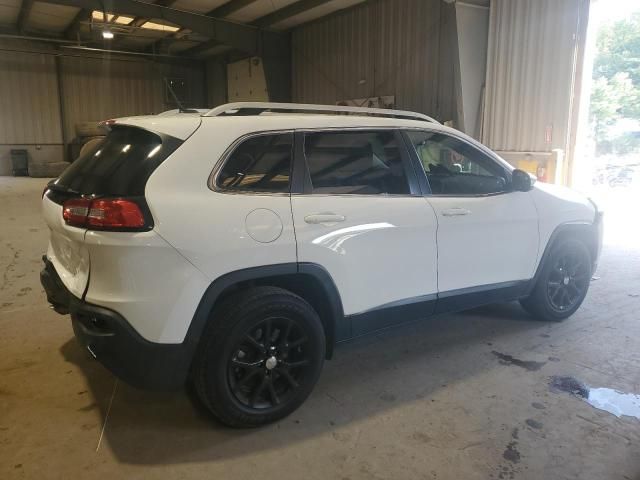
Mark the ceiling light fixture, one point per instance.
(102, 17)
(123, 20)
(160, 27)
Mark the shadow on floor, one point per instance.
(367, 376)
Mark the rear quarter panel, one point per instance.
(209, 228)
(143, 278)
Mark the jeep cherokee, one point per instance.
(234, 248)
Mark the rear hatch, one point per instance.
(104, 190)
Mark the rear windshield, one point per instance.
(119, 165)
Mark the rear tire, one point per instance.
(563, 282)
(260, 357)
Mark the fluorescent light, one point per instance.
(100, 16)
(126, 148)
(122, 20)
(107, 34)
(159, 26)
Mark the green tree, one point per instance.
(610, 98)
(628, 142)
(616, 74)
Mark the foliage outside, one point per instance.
(615, 95)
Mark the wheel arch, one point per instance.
(310, 281)
(583, 231)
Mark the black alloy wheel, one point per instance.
(260, 356)
(568, 281)
(562, 283)
(269, 363)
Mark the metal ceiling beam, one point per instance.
(242, 37)
(165, 3)
(138, 21)
(265, 21)
(9, 30)
(228, 8)
(92, 44)
(23, 15)
(235, 5)
(53, 37)
(13, 32)
(220, 12)
(289, 11)
(74, 27)
(203, 47)
(158, 43)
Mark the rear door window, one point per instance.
(120, 165)
(259, 164)
(362, 163)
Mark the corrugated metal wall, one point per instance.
(96, 89)
(216, 74)
(530, 74)
(384, 47)
(29, 108)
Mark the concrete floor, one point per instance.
(430, 400)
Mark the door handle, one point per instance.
(455, 212)
(324, 218)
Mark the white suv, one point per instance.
(235, 247)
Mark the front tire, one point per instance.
(260, 357)
(563, 282)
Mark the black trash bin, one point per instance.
(20, 163)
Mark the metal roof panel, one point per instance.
(9, 10)
(198, 6)
(315, 13)
(48, 17)
(258, 9)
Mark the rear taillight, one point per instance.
(75, 211)
(104, 214)
(115, 213)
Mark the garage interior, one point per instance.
(468, 395)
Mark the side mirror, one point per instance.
(521, 181)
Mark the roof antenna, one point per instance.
(181, 108)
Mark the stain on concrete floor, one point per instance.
(526, 364)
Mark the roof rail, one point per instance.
(256, 108)
(176, 111)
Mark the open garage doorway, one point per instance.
(607, 161)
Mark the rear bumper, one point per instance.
(111, 340)
(57, 294)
